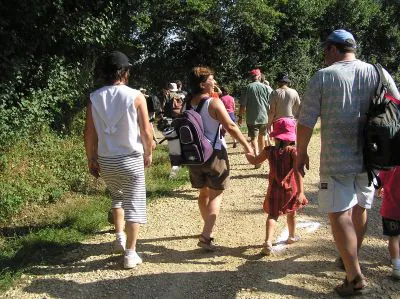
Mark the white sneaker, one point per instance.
(396, 273)
(174, 172)
(119, 245)
(131, 261)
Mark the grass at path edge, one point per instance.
(72, 219)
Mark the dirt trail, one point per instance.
(175, 268)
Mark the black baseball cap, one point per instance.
(115, 60)
(282, 77)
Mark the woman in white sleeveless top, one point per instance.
(212, 177)
(118, 143)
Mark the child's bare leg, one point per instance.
(291, 223)
(270, 229)
(269, 234)
(394, 244)
(394, 250)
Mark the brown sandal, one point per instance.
(207, 243)
(348, 289)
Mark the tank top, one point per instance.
(211, 126)
(116, 120)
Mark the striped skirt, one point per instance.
(124, 177)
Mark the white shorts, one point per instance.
(342, 192)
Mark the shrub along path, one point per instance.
(175, 268)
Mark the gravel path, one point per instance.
(175, 268)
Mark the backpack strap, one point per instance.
(383, 83)
(198, 109)
(199, 106)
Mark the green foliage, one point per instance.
(26, 109)
(158, 183)
(40, 169)
(47, 61)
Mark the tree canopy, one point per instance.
(49, 47)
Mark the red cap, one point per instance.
(255, 72)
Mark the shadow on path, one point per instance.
(256, 275)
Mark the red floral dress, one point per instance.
(282, 187)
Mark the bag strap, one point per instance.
(372, 177)
(383, 83)
(198, 109)
(199, 106)
(216, 135)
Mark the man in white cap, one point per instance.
(340, 95)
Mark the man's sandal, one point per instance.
(207, 243)
(358, 286)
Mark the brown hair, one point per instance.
(198, 75)
(341, 48)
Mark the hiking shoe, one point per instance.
(267, 249)
(131, 261)
(207, 243)
(292, 240)
(396, 273)
(174, 172)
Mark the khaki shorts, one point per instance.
(342, 192)
(254, 130)
(213, 174)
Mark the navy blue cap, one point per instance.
(341, 36)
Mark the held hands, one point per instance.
(251, 158)
(301, 199)
(94, 168)
(379, 192)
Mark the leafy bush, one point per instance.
(58, 94)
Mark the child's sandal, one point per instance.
(267, 249)
(207, 243)
(292, 240)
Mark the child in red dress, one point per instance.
(285, 186)
(390, 212)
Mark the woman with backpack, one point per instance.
(212, 177)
